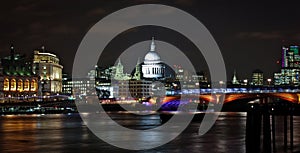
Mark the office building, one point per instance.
(290, 67)
(257, 78)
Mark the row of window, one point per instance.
(20, 85)
(47, 59)
(139, 90)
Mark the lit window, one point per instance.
(33, 86)
(20, 85)
(13, 85)
(26, 85)
(6, 85)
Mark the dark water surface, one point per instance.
(67, 133)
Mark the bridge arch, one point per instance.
(216, 98)
(290, 97)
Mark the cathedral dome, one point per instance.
(153, 67)
(152, 56)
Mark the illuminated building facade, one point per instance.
(179, 71)
(257, 78)
(79, 88)
(146, 79)
(234, 79)
(103, 82)
(287, 77)
(47, 67)
(284, 59)
(118, 72)
(188, 79)
(17, 82)
(132, 89)
(66, 85)
(112, 82)
(153, 68)
(290, 67)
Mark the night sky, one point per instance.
(249, 34)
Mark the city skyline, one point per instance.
(150, 76)
(129, 68)
(247, 34)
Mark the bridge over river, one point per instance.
(227, 95)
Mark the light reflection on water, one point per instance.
(67, 133)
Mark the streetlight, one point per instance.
(43, 90)
(245, 82)
(221, 83)
(269, 81)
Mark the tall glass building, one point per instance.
(290, 67)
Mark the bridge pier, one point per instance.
(266, 129)
(264, 100)
(253, 128)
(298, 95)
(259, 114)
(285, 132)
(291, 131)
(273, 133)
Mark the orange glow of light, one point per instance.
(20, 85)
(26, 85)
(33, 85)
(169, 98)
(291, 97)
(152, 101)
(13, 85)
(6, 85)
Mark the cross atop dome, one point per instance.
(152, 47)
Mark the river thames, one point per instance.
(67, 133)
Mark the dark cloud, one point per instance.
(63, 29)
(249, 33)
(96, 12)
(260, 35)
(185, 2)
(25, 7)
